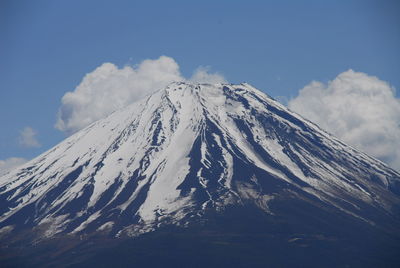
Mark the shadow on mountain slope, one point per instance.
(243, 237)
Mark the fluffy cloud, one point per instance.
(360, 109)
(27, 138)
(109, 88)
(10, 163)
(202, 75)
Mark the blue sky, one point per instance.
(47, 47)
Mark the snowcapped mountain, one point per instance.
(187, 150)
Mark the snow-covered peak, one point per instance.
(185, 150)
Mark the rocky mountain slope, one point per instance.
(190, 150)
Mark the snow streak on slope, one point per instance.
(182, 151)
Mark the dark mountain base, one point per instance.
(207, 249)
(245, 238)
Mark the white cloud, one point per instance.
(202, 75)
(361, 110)
(10, 163)
(27, 138)
(109, 88)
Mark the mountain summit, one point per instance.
(192, 152)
